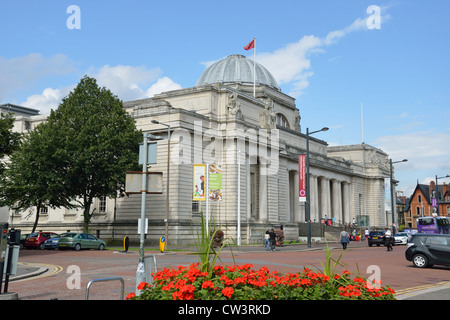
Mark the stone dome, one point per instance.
(237, 68)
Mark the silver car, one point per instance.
(401, 238)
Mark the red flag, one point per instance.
(251, 45)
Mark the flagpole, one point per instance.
(362, 123)
(254, 68)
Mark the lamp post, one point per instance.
(308, 212)
(167, 180)
(140, 273)
(437, 194)
(392, 192)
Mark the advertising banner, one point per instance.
(199, 178)
(302, 178)
(215, 182)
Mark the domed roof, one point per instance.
(237, 69)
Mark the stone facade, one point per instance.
(224, 124)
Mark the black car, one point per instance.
(425, 250)
(375, 237)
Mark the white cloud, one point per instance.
(23, 72)
(424, 150)
(292, 63)
(127, 82)
(162, 85)
(49, 99)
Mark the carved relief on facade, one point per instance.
(267, 116)
(297, 119)
(234, 107)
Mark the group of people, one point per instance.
(270, 238)
(344, 238)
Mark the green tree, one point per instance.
(97, 141)
(80, 153)
(31, 180)
(9, 140)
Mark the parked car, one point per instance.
(37, 239)
(23, 238)
(375, 237)
(51, 243)
(79, 241)
(401, 238)
(426, 250)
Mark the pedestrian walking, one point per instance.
(366, 233)
(344, 239)
(267, 239)
(388, 240)
(272, 237)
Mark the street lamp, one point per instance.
(392, 193)
(308, 213)
(140, 273)
(436, 193)
(167, 181)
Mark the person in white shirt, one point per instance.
(388, 239)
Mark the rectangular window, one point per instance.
(102, 204)
(43, 210)
(195, 207)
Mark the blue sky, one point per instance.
(321, 52)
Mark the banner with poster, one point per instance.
(302, 178)
(199, 185)
(215, 182)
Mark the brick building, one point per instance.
(422, 203)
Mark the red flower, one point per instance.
(142, 285)
(228, 292)
(130, 295)
(207, 284)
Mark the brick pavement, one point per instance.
(54, 282)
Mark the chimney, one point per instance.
(445, 189)
(432, 188)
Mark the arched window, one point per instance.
(282, 121)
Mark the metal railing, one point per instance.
(88, 287)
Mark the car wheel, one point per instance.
(370, 244)
(420, 261)
(42, 246)
(77, 247)
(101, 247)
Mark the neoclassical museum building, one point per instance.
(252, 131)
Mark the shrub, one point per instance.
(279, 237)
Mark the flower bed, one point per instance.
(244, 283)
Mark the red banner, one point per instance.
(302, 178)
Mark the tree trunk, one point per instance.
(38, 209)
(87, 215)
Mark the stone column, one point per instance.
(337, 198)
(314, 198)
(262, 193)
(295, 201)
(346, 201)
(324, 192)
(249, 190)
